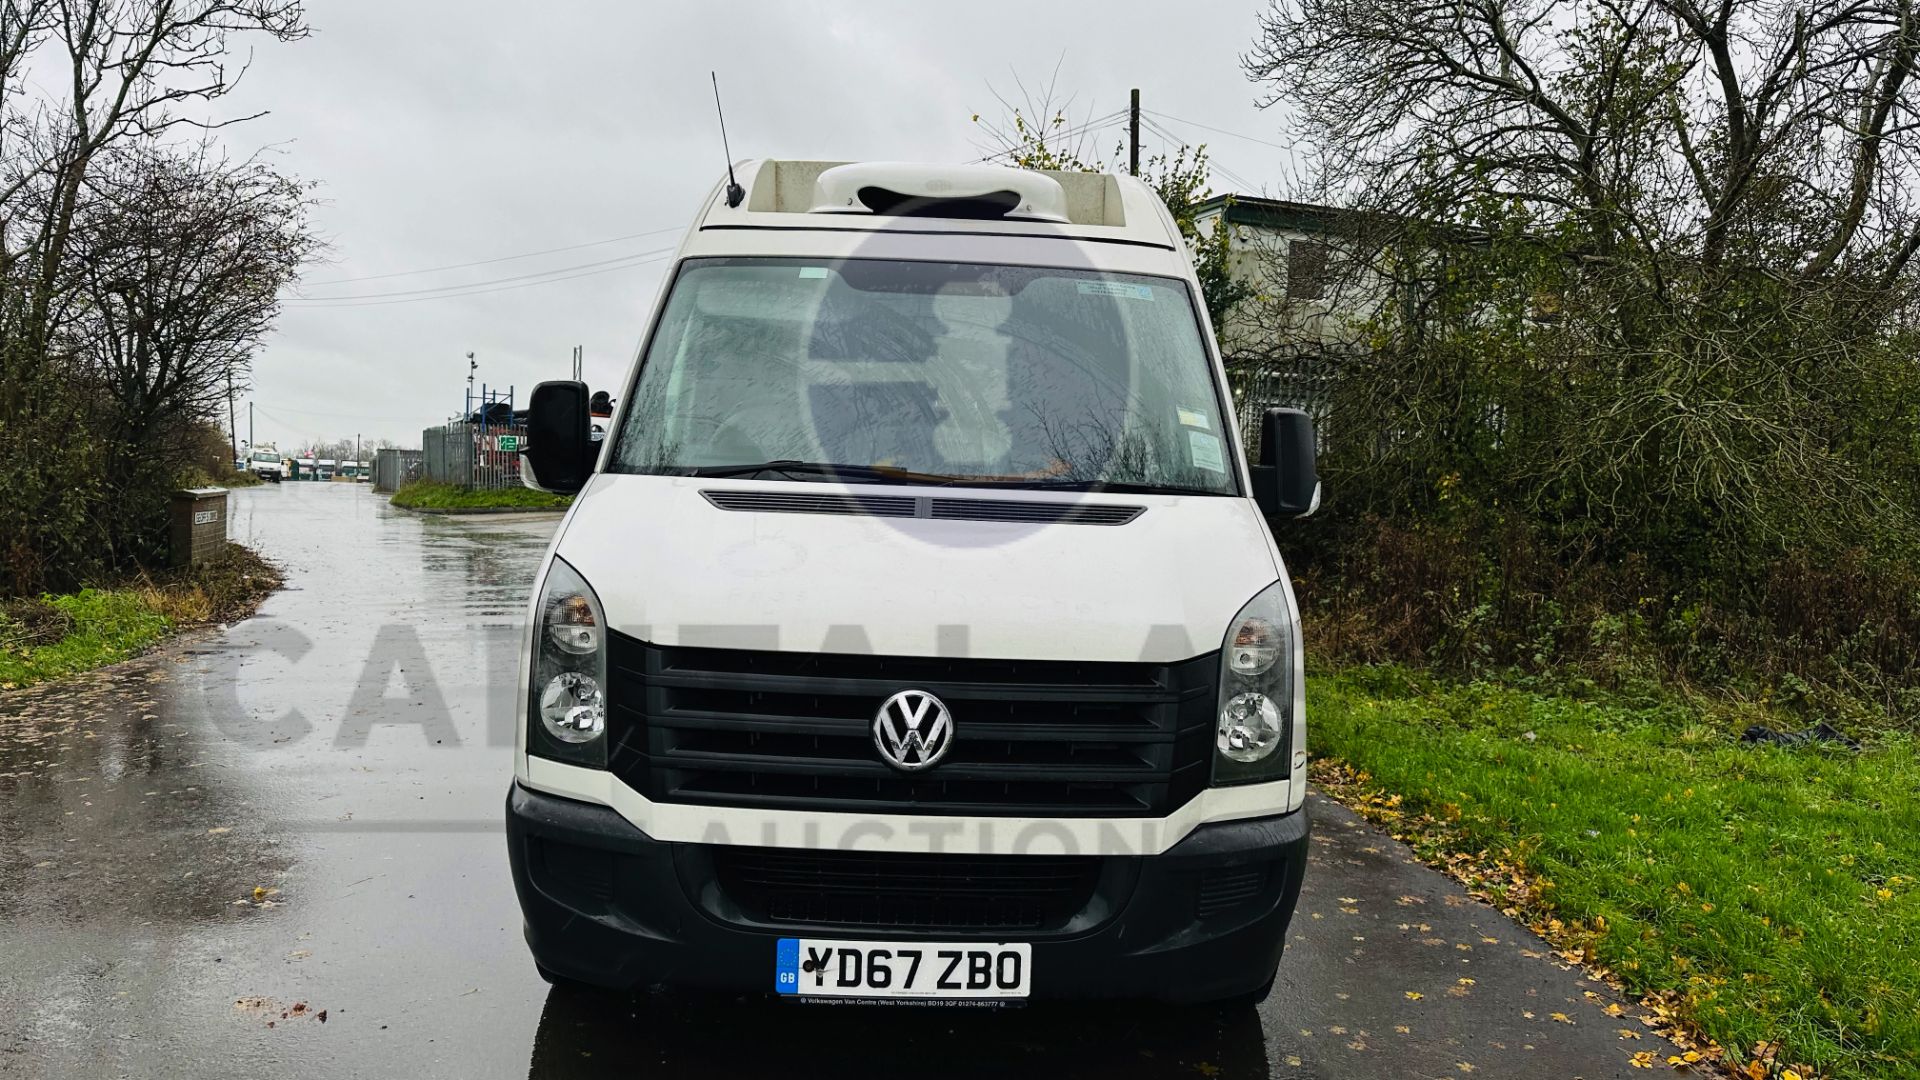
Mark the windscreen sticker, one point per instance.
(813, 271)
(1116, 288)
(1194, 418)
(1205, 451)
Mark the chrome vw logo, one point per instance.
(912, 730)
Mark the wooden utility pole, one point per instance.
(1133, 135)
(233, 429)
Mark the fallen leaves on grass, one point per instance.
(1502, 879)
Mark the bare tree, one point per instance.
(184, 255)
(1645, 264)
(1679, 128)
(1035, 133)
(129, 65)
(113, 79)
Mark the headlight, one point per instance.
(567, 716)
(1253, 733)
(571, 708)
(1250, 729)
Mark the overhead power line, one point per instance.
(325, 301)
(1213, 163)
(1054, 137)
(1218, 130)
(488, 262)
(475, 291)
(274, 414)
(1247, 186)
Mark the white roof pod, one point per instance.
(808, 199)
(954, 191)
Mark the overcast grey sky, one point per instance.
(446, 132)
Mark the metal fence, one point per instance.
(473, 455)
(392, 468)
(1300, 382)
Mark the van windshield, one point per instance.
(915, 372)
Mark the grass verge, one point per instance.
(50, 636)
(451, 498)
(231, 479)
(1762, 898)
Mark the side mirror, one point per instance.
(559, 453)
(1285, 483)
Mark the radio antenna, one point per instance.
(735, 192)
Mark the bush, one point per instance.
(1486, 595)
(49, 636)
(226, 478)
(32, 621)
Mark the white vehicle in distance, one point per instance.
(265, 462)
(917, 633)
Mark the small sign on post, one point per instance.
(507, 444)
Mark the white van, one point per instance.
(917, 634)
(265, 462)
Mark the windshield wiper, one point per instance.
(881, 474)
(872, 474)
(1117, 487)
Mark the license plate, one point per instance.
(932, 971)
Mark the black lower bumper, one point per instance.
(609, 905)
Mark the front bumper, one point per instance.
(607, 904)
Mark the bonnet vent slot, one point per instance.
(905, 506)
(802, 502)
(1047, 513)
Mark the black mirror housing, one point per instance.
(559, 452)
(1286, 482)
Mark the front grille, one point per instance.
(786, 730)
(889, 891)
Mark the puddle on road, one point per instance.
(112, 813)
(149, 792)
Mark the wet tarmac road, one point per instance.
(275, 852)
